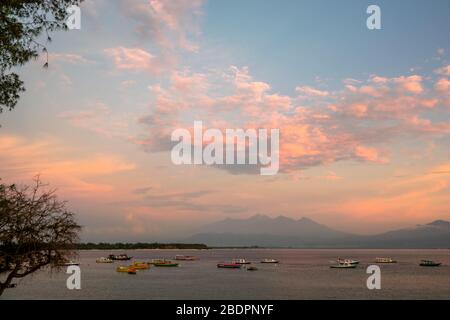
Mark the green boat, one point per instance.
(165, 264)
(429, 263)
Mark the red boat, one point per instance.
(229, 265)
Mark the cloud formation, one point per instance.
(358, 122)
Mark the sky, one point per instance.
(364, 115)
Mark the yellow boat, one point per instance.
(129, 270)
(140, 265)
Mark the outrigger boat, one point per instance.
(165, 263)
(185, 258)
(429, 263)
(229, 265)
(104, 260)
(129, 270)
(240, 261)
(269, 261)
(121, 257)
(385, 260)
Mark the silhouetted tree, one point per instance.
(36, 230)
(23, 23)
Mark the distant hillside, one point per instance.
(432, 235)
(264, 231)
(138, 245)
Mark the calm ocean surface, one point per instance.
(301, 274)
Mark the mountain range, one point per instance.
(264, 231)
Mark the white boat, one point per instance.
(269, 261)
(343, 266)
(385, 260)
(240, 261)
(347, 261)
(104, 260)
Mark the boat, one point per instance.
(165, 263)
(252, 268)
(347, 261)
(240, 261)
(229, 265)
(140, 265)
(269, 261)
(185, 258)
(429, 263)
(385, 260)
(104, 260)
(344, 266)
(129, 270)
(157, 261)
(121, 257)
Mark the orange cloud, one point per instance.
(22, 159)
(134, 59)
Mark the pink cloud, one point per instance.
(445, 71)
(443, 86)
(369, 154)
(134, 59)
(311, 92)
(411, 84)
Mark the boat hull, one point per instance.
(351, 266)
(186, 258)
(430, 264)
(126, 270)
(165, 264)
(229, 265)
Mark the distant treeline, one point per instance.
(138, 245)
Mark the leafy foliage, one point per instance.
(22, 24)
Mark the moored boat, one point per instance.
(385, 260)
(229, 265)
(104, 260)
(140, 265)
(185, 258)
(269, 261)
(129, 270)
(429, 263)
(240, 261)
(120, 257)
(347, 261)
(252, 268)
(343, 266)
(165, 263)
